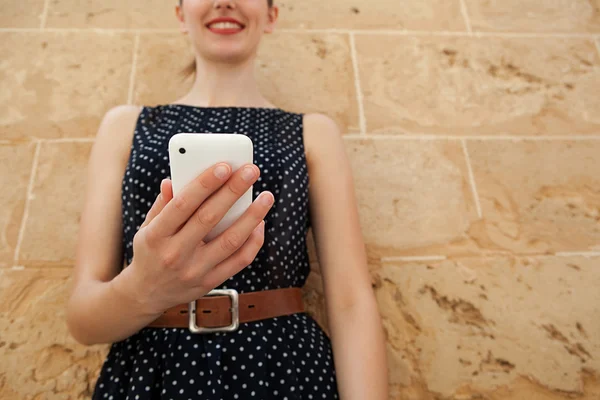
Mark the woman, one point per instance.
(277, 351)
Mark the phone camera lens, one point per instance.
(182, 150)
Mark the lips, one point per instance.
(225, 26)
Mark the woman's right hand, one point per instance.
(172, 264)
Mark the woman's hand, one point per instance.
(172, 264)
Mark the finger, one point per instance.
(167, 190)
(234, 237)
(214, 209)
(184, 204)
(159, 204)
(237, 261)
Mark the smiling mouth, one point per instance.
(225, 27)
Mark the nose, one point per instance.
(224, 4)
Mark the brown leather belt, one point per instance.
(222, 310)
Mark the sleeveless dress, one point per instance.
(288, 357)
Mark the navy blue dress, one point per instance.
(287, 357)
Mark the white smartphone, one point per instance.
(190, 154)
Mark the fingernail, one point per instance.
(265, 199)
(261, 227)
(221, 171)
(248, 173)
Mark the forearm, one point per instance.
(106, 312)
(359, 351)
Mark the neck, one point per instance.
(224, 85)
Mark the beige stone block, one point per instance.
(21, 13)
(479, 86)
(60, 84)
(161, 59)
(15, 170)
(535, 16)
(358, 14)
(50, 235)
(310, 73)
(40, 359)
(494, 328)
(130, 14)
(414, 197)
(537, 197)
(297, 72)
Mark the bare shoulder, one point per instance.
(320, 133)
(117, 127)
(124, 113)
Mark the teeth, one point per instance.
(225, 25)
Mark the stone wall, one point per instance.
(473, 130)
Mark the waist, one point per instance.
(222, 310)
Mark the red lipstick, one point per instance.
(225, 26)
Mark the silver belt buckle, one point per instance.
(235, 312)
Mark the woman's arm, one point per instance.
(102, 307)
(356, 330)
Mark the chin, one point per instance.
(227, 54)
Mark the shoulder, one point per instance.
(117, 128)
(320, 122)
(321, 134)
(116, 116)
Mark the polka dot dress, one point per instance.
(287, 357)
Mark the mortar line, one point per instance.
(132, 75)
(66, 268)
(69, 140)
(27, 200)
(359, 94)
(354, 136)
(408, 32)
(472, 179)
(465, 13)
(577, 254)
(413, 258)
(400, 32)
(382, 32)
(416, 136)
(586, 254)
(44, 16)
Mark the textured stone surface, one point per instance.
(161, 60)
(59, 84)
(21, 13)
(310, 73)
(500, 317)
(537, 197)
(480, 86)
(475, 326)
(15, 170)
(50, 234)
(40, 360)
(138, 14)
(534, 15)
(413, 195)
(358, 14)
(302, 73)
